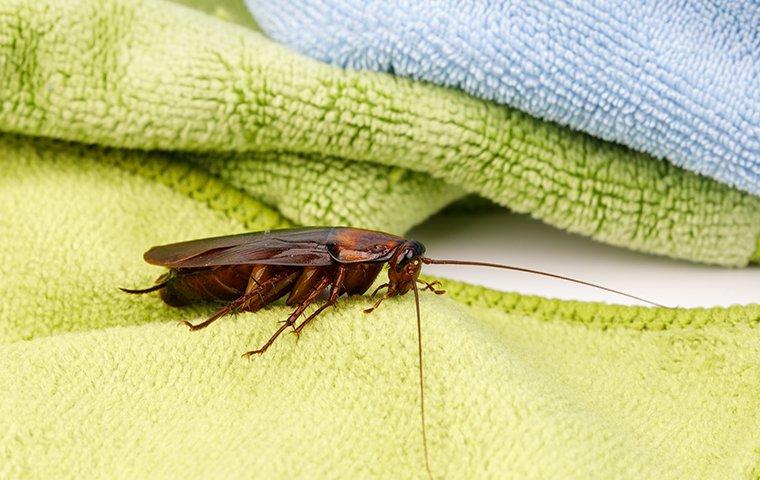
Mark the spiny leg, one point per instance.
(293, 316)
(377, 303)
(297, 330)
(235, 304)
(431, 286)
(258, 288)
(219, 313)
(335, 292)
(385, 285)
(254, 284)
(269, 342)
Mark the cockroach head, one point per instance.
(405, 267)
(407, 253)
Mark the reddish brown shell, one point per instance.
(305, 247)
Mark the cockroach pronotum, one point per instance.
(252, 270)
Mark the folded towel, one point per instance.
(155, 75)
(100, 384)
(677, 79)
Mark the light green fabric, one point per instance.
(100, 384)
(155, 75)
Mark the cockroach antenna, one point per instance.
(422, 381)
(431, 261)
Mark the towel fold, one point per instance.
(154, 75)
(677, 79)
(102, 384)
(99, 384)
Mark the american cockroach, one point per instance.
(252, 270)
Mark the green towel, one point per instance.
(99, 384)
(155, 75)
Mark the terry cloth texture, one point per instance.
(100, 384)
(331, 146)
(674, 78)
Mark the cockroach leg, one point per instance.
(269, 342)
(231, 307)
(335, 292)
(235, 304)
(381, 287)
(385, 285)
(297, 330)
(321, 285)
(377, 303)
(431, 286)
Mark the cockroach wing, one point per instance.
(354, 245)
(302, 247)
(289, 247)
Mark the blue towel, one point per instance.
(679, 79)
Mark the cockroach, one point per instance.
(251, 270)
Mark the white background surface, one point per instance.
(520, 241)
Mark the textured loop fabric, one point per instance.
(100, 384)
(154, 75)
(320, 190)
(674, 78)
